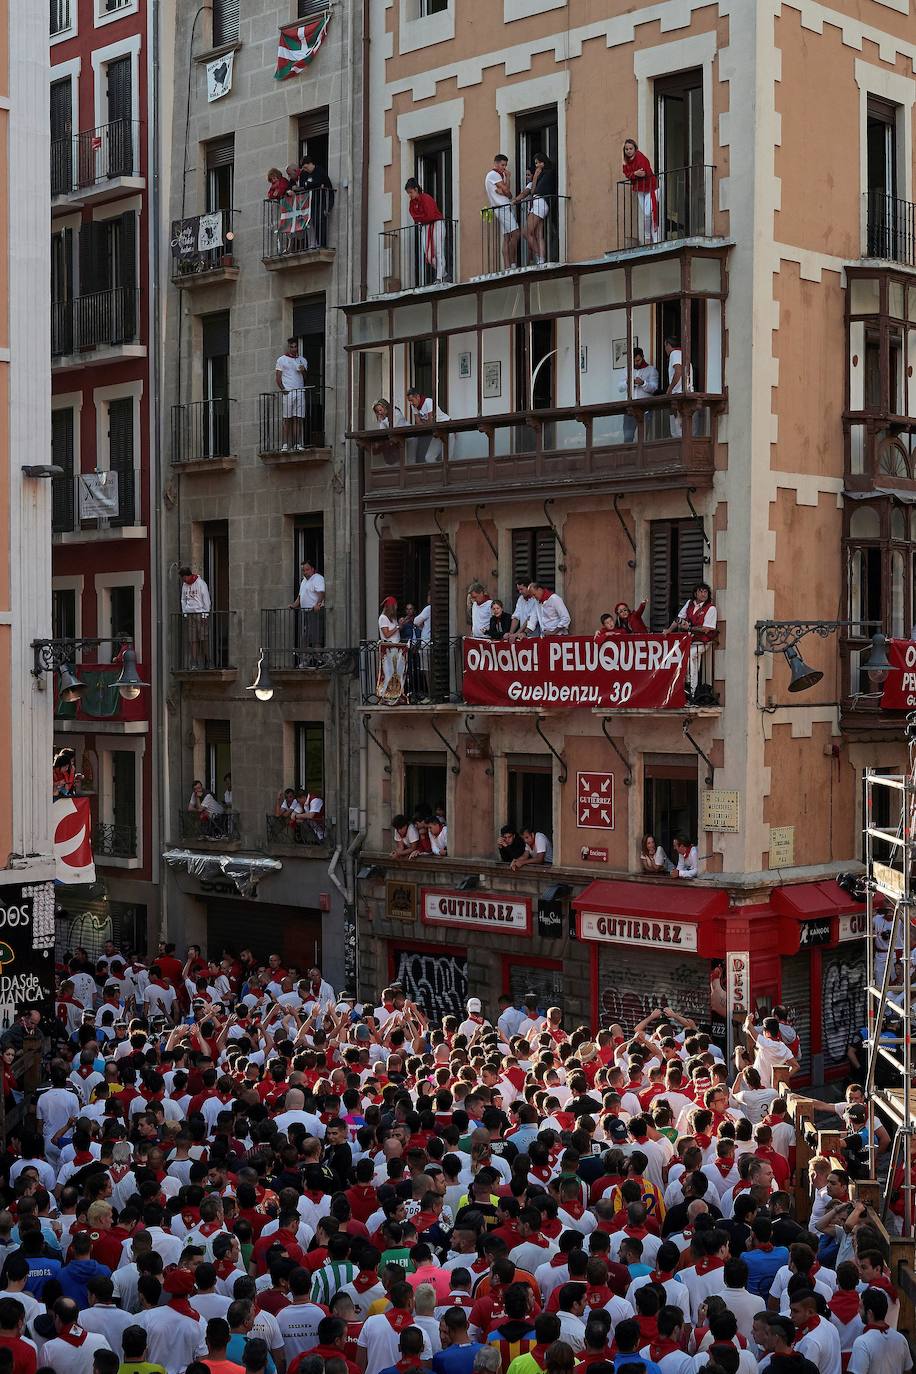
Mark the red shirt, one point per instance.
(282, 1237)
(171, 967)
(24, 1359)
(423, 209)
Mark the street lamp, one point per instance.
(262, 686)
(57, 656)
(782, 637)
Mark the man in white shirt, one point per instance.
(438, 837)
(770, 1050)
(71, 1349)
(551, 616)
(879, 1350)
(290, 378)
(538, 849)
(680, 380)
(480, 606)
(54, 1109)
(195, 607)
(644, 382)
(310, 602)
(688, 860)
(422, 411)
(499, 197)
(295, 1114)
(818, 1340)
(526, 608)
(423, 621)
(103, 1317)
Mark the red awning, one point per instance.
(807, 901)
(678, 898)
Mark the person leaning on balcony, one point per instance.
(480, 608)
(313, 178)
(388, 416)
(700, 619)
(680, 380)
(639, 173)
(644, 382)
(438, 836)
(539, 194)
(688, 861)
(427, 216)
(510, 845)
(551, 616)
(422, 411)
(525, 608)
(405, 836)
(500, 621)
(195, 607)
(289, 374)
(652, 857)
(277, 184)
(310, 601)
(498, 187)
(629, 622)
(538, 848)
(65, 774)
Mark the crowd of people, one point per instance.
(236, 1169)
(304, 196)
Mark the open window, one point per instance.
(529, 790)
(425, 783)
(670, 798)
(308, 755)
(309, 326)
(680, 153)
(220, 164)
(433, 168)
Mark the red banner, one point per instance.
(630, 672)
(900, 685)
(72, 823)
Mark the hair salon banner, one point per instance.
(634, 672)
(900, 685)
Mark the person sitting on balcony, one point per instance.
(688, 861)
(422, 411)
(277, 184)
(438, 836)
(289, 375)
(653, 858)
(630, 622)
(539, 193)
(286, 800)
(510, 845)
(680, 380)
(638, 171)
(308, 816)
(498, 187)
(700, 619)
(644, 382)
(480, 609)
(525, 608)
(65, 775)
(203, 805)
(405, 836)
(195, 607)
(315, 180)
(500, 621)
(551, 616)
(538, 849)
(310, 602)
(427, 216)
(421, 825)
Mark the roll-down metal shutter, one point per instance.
(633, 981)
(796, 997)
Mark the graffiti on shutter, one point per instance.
(796, 998)
(843, 1012)
(545, 983)
(633, 982)
(438, 983)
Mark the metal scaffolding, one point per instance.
(890, 853)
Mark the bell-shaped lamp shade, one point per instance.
(803, 677)
(129, 683)
(877, 665)
(262, 686)
(71, 689)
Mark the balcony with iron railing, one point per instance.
(94, 328)
(203, 249)
(291, 426)
(96, 165)
(113, 841)
(622, 445)
(297, 642)
(679, 204)
(202, 643)
(209, 829)
(202, 435)
(890, 228)
(296, 230)
(418, 255)
(94, 505)
(416, 674)
(303, 835)
(530, 234)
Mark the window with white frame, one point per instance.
(117, 832)
(63, 19)
(107, 11)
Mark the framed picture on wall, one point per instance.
(464, 364)
(492, 380)
(620, 351)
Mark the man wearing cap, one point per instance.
(474, 1020)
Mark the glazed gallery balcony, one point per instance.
(535, 379)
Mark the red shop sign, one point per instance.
(900, 685)
(634, 672)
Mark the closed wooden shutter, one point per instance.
(120, 93)
(316, 123)
(676, 552)
(62, 456)
(221, 152)
(690, 567)
(439, 604)
(392, 569)
(92, 257)
(125, 320)
(121, 457)
(796, 998)
(308, 316)
(61, 111)
(225, 22)
(660, 560)
(534, 556)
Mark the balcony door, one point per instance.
(670, 324)
(409, 570)
(220, 174)
(62, 292)
(680, 153)
(217, 756)
(215, 346)
(535, 379)
(309, 315)
(314, 136)
(433, 169)
(62, 487)
(61, 136)
(107, 311)
(538, 131)
(119, 110)
(216, 576)
(881, 172)
(308, 546)
(676, 565)
(123, 801)
(121, 457)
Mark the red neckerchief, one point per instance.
(877, 1326)
(765, 1245)
(83, 1157)
(708, 1264)
(844, 1305)
(74, 1335)
(704, 1141)
(363, 1282)
(660, 1276)
(660, 1348)
(210, 1228)
(558, 1261)
(551, 1229)
(810, 1325)
(542, 1173)
(460, 1300)
(883, 1282)
(598, 1297)
(184, 1307)
(398, 1319)
(539, 1354)
(725, 1166)
(224, 1268)
(85, 1071)
(574, 1209)
(638, 1233)
(475, 1017)
(771, 1120)
(648, 1327)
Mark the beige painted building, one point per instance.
(778, 253)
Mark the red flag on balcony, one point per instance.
(299, 44)
(73, 840)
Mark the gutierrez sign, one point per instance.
(632, 930)
(443, 907)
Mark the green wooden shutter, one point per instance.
(690, 566)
